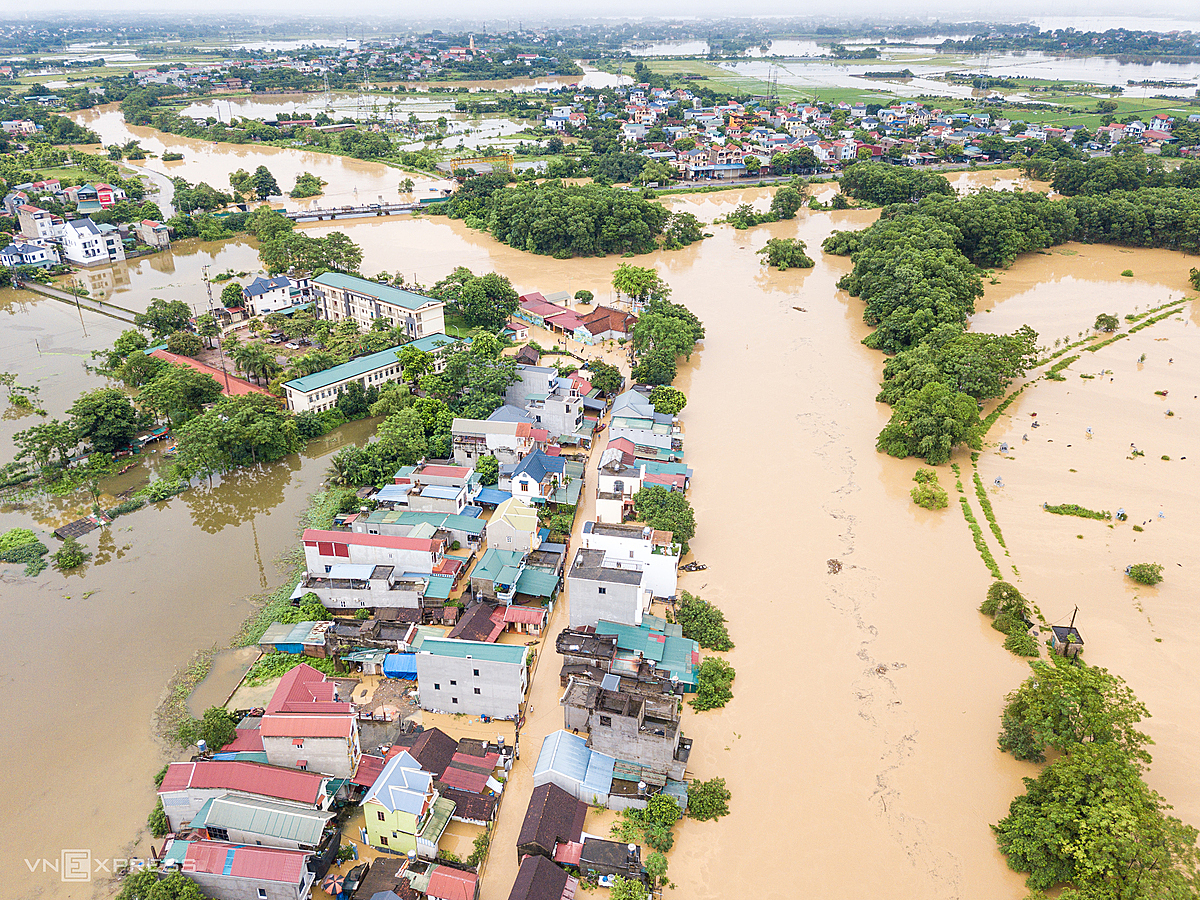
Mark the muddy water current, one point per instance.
(862, 734)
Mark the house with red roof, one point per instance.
(187, 786)
(305, 725)
(325, 549)
(227, 871)
(605, 323)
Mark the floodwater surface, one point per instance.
(862, 737)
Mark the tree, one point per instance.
(242, 182)
(127, 342)
(264, 183)
(604, 377)
(661, 810)
(157, 820)
(666, 510)
(713, 681)
(1106, 322)
(584, 296)
(217, 727)
(978, 364)
(404, 435)
(627, 889)
(656, 869)
(786, 253)
(144, 884)
(639, 284)
(787, 202)
(1145, 573)
(1194, 279)
(1064, 704)
(488, 468)
(352, 401)
(668, 400)
(184, 343)
(336, 251)
(656, 367)
(41, 442)
(163, 317)
(485, 344)
(307, 185)
(232, 296)
(708, 800)
(703, 623)
(1090, 821)
(929, 423)
(207, 328)
(683, 228)
(414, 363)
(105, 419)
(70, 555)
(178, 393)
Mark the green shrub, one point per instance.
(703, 623)
(127, 507)
(708, 799)
(362, 614)
(157, 821)
(1145, 573)
(1128, 273)
(70, 555)
(14, 538)
(1074, 509)
(28, 554)
(713, 684)
(930, 496)
(276, 665)
(1021, 643)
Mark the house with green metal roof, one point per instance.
(340, 297)
(467, 530)
(502, 575)
(258, 821)
(320, 390)
(657, 642)
(472, 677)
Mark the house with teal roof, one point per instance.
(339, 297)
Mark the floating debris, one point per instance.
(835, 566)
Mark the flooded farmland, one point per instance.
(862, 736)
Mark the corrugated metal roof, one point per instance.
(349, 570)
(247, 777)
(504, 653)
(537, 583)
(400, 786)
(385, 292)
(257, 863)
(451, 884)
(265, 817)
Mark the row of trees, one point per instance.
(566, 220)
(1089, 820)
(915, 270)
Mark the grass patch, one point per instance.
(1074, 509)
(980, 544)
(988, 513)
(1111, 340)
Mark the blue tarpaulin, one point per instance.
(400, 665)
(492, 497)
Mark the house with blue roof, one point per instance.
(404, 811)
(567, 761)
(267, 295)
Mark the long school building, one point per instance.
(320, 390)
(339, 297)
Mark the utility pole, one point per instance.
(220, 337)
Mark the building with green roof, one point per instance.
(659, 643)
(340, 296)
(258, 821)
(320, 390)
(472, 677)
(467, 530)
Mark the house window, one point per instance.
(475, 672)
(382, 817)
(603, 590)
(436, 686)
(262, 894)
(454, 700)
(453, 683)
(298, 742)
(477, 690)
(218, 834)
(383, 840)
(606, 720)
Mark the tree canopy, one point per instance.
(666, 510)
(105, 419)
(929, 423)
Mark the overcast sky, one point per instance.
(1184, 12)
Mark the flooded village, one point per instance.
(483, 681)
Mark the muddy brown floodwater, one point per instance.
(95, 651)
(861, 744)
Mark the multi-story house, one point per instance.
(306, 727)
(599, 588)
(403, 810)
(472, 677)
(87, 244)
(340, 297)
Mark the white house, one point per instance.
(25, 253)
(509, 442)
(325, 549)
(227, 871)
(600, 588)
(187, 786)
(268, 295)
(472, 677)
(654, 552)
(87, 244)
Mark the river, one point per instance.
(862, 736)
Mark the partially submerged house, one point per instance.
(601, 588)
(553, 817)
(403, 811)
(471, 677)
(187, 786)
